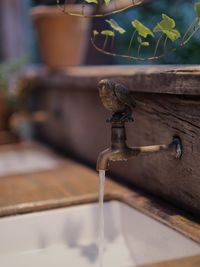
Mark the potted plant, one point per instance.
(63, 40)
(146, 42)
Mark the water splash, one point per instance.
(101, 217)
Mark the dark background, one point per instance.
(18, 37)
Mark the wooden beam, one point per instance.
(162, 79)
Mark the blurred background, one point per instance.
(19, 37)
(37, 33)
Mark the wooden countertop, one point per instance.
(185, 262)
(71, 183)
(181, 79)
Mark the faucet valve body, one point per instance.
(118, 136)
(120, 151)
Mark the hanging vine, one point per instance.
(165, 37)
(101, 8)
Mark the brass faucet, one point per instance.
(122, 110)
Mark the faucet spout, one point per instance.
(108, 155)
(119, 151)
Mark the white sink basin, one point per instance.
(67, 238)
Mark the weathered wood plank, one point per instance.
(186, 262)
(150, 79)
(161, 118)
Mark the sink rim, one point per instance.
(154, 208)
(116, 205)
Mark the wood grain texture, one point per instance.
(185, 262)
(161, 118)
(149, 79)
(74, 184)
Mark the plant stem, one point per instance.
(189, 28)
(98, 15)
(189, 37)
(105, 42)
(131, 41)
(139, 48)
(112, 43)
(165, 43)
(132, 57)
(157, 45)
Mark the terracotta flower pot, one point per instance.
(63, 39)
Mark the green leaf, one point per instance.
(197, 8)
(141, 42)
(173, 35)
(166, 23)
(167, 26)
(108, 33)
(141, 28)
(91, 1)
(115, 26)
(107, 2)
